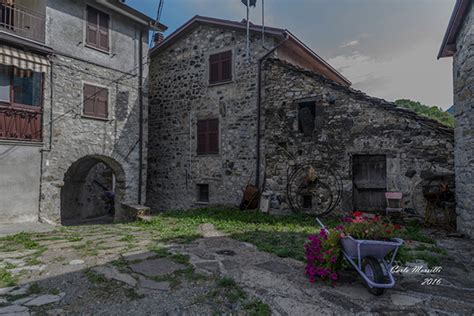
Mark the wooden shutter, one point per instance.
(208, 136)
(226, 66)
(97, 29)
(96, 101)
(101, 103)
(103, 31)
(92, 26)
(89, 99)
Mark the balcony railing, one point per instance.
(21, 21)
(20, 124)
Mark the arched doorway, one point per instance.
(92, 192)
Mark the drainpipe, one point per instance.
(140, 119)
(259, 105)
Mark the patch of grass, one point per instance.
(132, 295)
(6, 279)
(35, 288)
(257, 308)
(95, 277)
(227, 291)
(9, 266)
(127, 238)
(434, 248)
(121, 265)
(18, 242)
(54, 291)
(74, 239)
(89, 248)
(33, 261)
(283, 236)
(413, 231)
(405, 255)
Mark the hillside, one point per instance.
(433, 112)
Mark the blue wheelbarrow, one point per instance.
(368, 257)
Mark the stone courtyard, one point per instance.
(127, 269)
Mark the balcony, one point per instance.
(20, 124)
(23, 21)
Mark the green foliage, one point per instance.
(433, 112)
(257, 308)
(19, 241)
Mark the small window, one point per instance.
(307, 201)
(208, 137)
(203, 193)
(97, 30)
(96, 101)
(220, 67)
(306, 117)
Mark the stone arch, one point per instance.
(80, 203)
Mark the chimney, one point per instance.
(158, 38)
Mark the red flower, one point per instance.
(357, 214)
(388, 231)
(397, 227)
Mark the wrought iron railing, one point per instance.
(20, 124)
(22, 21)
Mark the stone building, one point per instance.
(220, 119)
(459, 43)
(72, 132)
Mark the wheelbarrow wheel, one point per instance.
(372, 269)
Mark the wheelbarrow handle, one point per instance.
(322, 225)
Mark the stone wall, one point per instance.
(113, 141)
(348, 123)
(180, 95)
(463, 74)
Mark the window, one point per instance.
(208, 137)
(307, 201)
(203, 193)
(97, 29)
(96, 101)
(20, 86)
(220, 67)
(306, 116)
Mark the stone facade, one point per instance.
(463, 74)
(353, 124)
(180, 95)
(58, 172)
(348, 123)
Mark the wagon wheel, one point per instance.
(373, 270)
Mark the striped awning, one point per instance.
(24, 60)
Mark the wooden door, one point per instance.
(369, 175)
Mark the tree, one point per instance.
(432, 112)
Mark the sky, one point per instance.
(386, 48)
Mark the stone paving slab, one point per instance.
(156, 267)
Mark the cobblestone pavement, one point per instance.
(124, 270)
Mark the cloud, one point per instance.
(349, 44)
(399, 76)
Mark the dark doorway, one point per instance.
(369, 177)
(92, 191)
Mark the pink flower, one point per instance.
(333, 276)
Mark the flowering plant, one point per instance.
(324, 251)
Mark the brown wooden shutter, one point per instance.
(92, 37)
(89, 99)
(201, 137)
(101, 103)
(213, 136)
(220, 67)
(103, 31)
(208, 136)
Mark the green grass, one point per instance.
(18, 242)
(413, 231)
(227, 291)
(127, 238)
(95, 277)
(257, 308)
(6, 278)
(283, 236)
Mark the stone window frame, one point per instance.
(218, 51)
(296, 103)
(92, 117)
(85, 20)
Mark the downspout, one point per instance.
(259, 105)
(140, 119)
